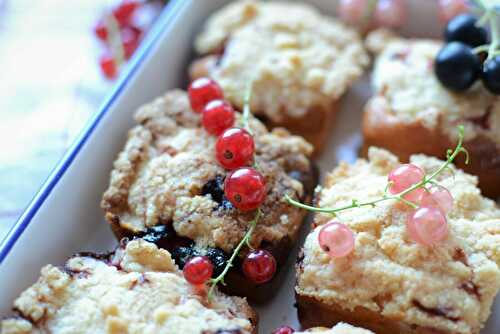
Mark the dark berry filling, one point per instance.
(182, 255)
(219, 259)
(215, 188)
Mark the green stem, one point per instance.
(398, 197)
(115, 40)
(229, 264)
(493, 19)
(246, 108)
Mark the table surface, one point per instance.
(50, 84)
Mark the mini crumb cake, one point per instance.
(341, 328)
(136, 289)
(300, 62)
(411, 112)
(389, 283)
(168, 187)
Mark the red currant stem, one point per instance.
(367, 15)
(115, 39)
(245, 240)
(400, 196)
(246, 108)
(490, 17)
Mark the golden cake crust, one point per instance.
(341, 328)
(138, 289)
(391, 279)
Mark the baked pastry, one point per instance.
(167, 187)
(411, 112)
(389, 283)
(341, 328)
(299, 61)
(136, 289)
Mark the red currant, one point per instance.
(201, 91)
(259, 266)
(101, 31)
(245, 188)
(218, 115)
(284, 330)
(405, 176)
(336, 239)
(198, 270)
(234, 148)
(427, 226)
(124, 11)
(130, 39)
(108, 66)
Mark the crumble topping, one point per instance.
(450, 287)
(297, 58)
(138, 290)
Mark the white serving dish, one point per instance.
(65, 218)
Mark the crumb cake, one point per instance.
(300, 62)
(341, 328)
(136, 289)
(389, 283)
(167, 187)
(411, 106)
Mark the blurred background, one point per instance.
(58, 60)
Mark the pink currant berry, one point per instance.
(234, 148)
(352, 11)
(198, 270)
(108, 66)
(201, 91)
(439, 197)
(405, 176)
(123, 13)
(448, 9)
(390, 13)
(101, 31)
(427, 225)
(245, 188)
(218, 115)
(336, 239)
(259, 266)
(284, 330)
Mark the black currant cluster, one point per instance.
(458, 65)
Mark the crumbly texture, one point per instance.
(404, 82)
(449, 287)
(158, 178)
(297, 58)
(139, 290)
(340, 328)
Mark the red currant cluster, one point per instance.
(244, 186)
(408, 183)
(119, 35)
(469, 54)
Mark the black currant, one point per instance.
(218, 258)
(463, 28)
(456, 66)
(182, 255)
(491, 75)
(156, 233)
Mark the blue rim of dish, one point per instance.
(163, 22)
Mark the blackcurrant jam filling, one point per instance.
(215, 188)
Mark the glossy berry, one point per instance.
(403, 177)
(101, 31)
(123, 13)
(284, 330)
(218, 115)
(491, 75)
(108, 66)
(130, 39)
(439, 197)
(336, 239)
(201, 91)
(234, 148)
(456, 66)
(448, 9)
(352, 11)
(259, 266)
(462, 28)
(198, 270)
(219, 259)
(427, 226)
(390, 13)
(245, 188)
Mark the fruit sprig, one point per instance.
(408, 184)
(244, 186)
(469, 54)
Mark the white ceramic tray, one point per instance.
(65, 218)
